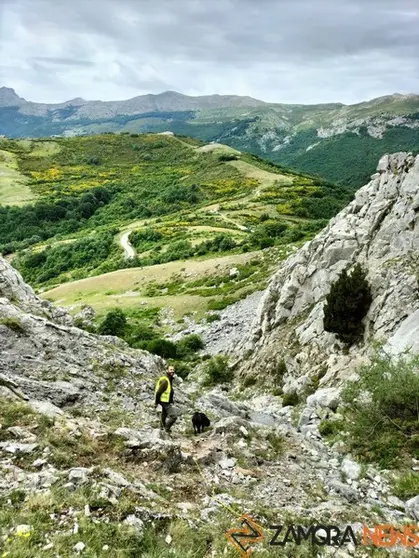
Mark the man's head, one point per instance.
(171, 371)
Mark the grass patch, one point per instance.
(407, 486)
(14, 324)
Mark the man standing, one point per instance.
(164, 397)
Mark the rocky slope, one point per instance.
(380, 230)
(84, 469)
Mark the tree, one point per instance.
(347, 304)
(115, 323)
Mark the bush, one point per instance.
(115, 323)
(161, 347)
(212, 318)
(347, 304)
(383, 408)
(217, 371)
(330, 427)
(190, 344)
(279, 372)
(227, 157)
(139, 334)
(290, 399)
(182, 369)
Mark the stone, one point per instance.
(116, 478)
(326, 397)
(141, 439)
(230, 425)
(46, 408)
(350, 468)
(412, 507)
(344, 490)
(378, 229)
(227, 463)
(79, 547)
(15, 448)
(395, 502)
(136, 523)
(38, 463)
(244, 431)
(79, 475)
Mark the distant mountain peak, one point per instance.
(9, 97)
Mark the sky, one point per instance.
(285, 51)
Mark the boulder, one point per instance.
(325, 397)
(350, 468)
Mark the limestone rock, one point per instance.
(380, 230)
(326, 397)
(350, 468)
(412, 507)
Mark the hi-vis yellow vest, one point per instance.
(165, 396)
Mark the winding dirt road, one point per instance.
(127, 246)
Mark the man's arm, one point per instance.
(160, 391)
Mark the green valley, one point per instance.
(129, 219)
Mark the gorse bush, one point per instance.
(383, 408)
(347, 304)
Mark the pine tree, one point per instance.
(347, 304)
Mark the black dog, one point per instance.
(199, 422)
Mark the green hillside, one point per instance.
(340, 143)
(108, 202)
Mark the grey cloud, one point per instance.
(56, 61)
(264, 48)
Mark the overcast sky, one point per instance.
(290, 51)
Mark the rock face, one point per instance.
(48, 361)
(380, 230)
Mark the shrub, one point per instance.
(249, 381)
(290, 399)
(182, 369)
(227, 157)
(347, 304)
(217, 371)
(190, 344)
(115, 323)
(383, 407)
(161, 347)
(138, 334)
(212, 318)
(330, 427)
(279, 372)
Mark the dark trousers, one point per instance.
(168, 415)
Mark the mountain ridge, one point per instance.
(5, 90)
(335, 141)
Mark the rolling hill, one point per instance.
(169, 220)
(338, 142)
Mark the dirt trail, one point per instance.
(127, 246)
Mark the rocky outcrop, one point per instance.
(14, 288)
(380, 230)
(45, 359)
